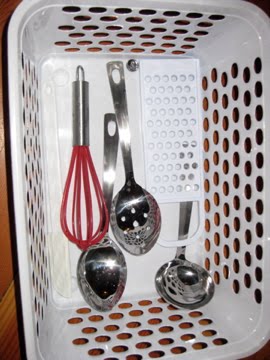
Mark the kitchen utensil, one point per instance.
(135, 217)
(172, 138)
(83, 175)
(101, 270)
(180, 282)
(59, 257)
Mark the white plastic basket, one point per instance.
(230, 41)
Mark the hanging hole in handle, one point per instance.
(111, 128)
(116, 76)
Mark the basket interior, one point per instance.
(231, 246)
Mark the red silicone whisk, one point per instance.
(82, 176)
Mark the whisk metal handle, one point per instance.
(80, 116)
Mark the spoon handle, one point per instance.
(111, 142)
(115, 70)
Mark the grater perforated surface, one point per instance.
(171, 129)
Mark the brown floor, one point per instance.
(10, 321)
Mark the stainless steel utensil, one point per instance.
(101, 269)
(180, 282)
(135, 216)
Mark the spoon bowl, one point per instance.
(135, 216)
(135, 219)
(101, 274)
(101, 269)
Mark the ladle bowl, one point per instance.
(180, 282)
(184, 284)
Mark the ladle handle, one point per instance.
(115, 70)
(184, 219)
(111, 142)
(184, 223)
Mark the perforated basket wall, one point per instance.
(230, 40)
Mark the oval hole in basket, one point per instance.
(75, 320)
(83, 311)
(125, 305)
(226, 272)
(220, 341)
(134, 357)
(123, 11)
(259, 233)
(166, 341)
(175, 317)
(112, 327)
(199, 346)
(207, 264)
(145, 302)
(97, 10)
(95, 352)
(71, 9)
(136, 313)
(257, 65)
(259, 136)
(145, 332)
(259, 252)
(186, 325)
(80, 341)
(89, 330)
(120, 348)
(259, 112)
(188, 337)
(155, 310)
(143, 345)
(102, 339)
(133, 324)
(258, 274)
(205, 322)
(156, 354)
(154, 321)
(208, 333)
(258, 296)
(165, 329)
(124, 336)
(258, 89)
(236, 286)
(116, 316)
(178, 350)
(195, 314)
(96, 318)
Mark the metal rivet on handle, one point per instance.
(133, 65)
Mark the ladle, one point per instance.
(101, 269)
(180, 282)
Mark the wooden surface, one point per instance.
(11, 336)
